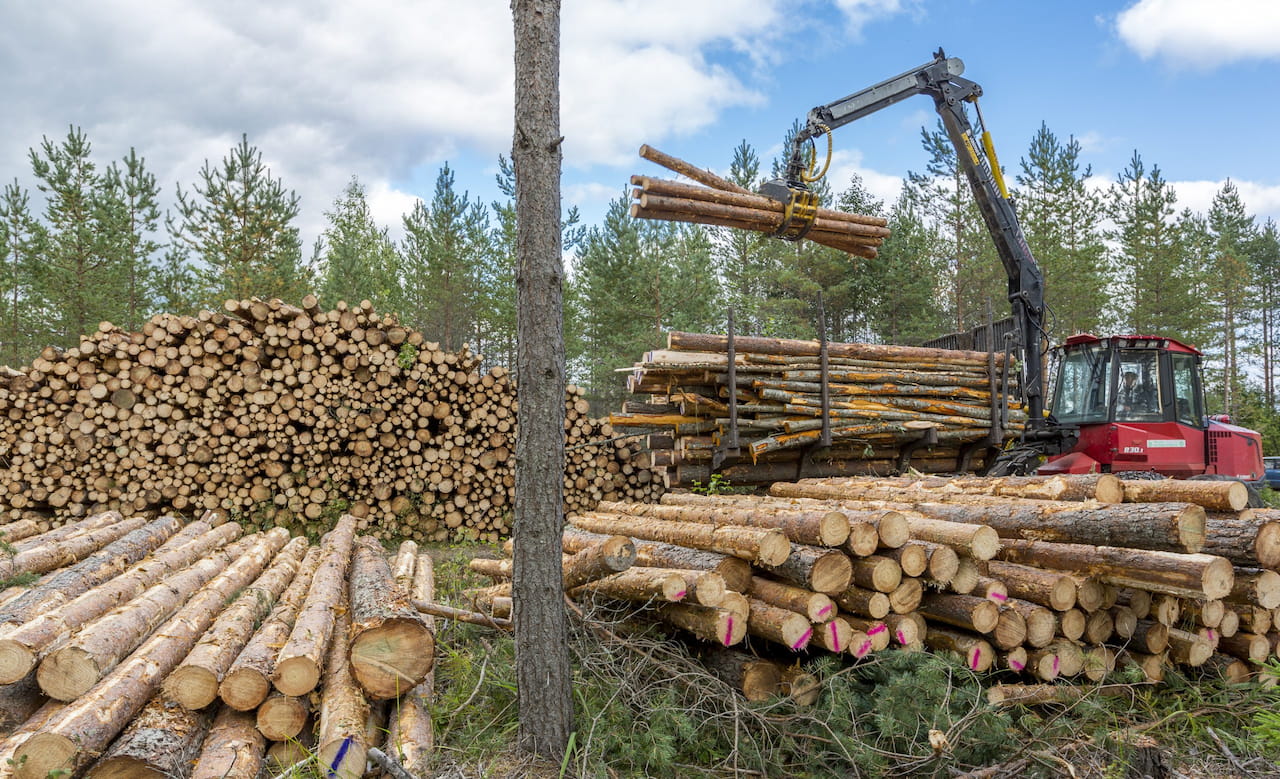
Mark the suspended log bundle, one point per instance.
(288, 415)
(887, 408)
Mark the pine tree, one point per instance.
(238, 221)
(129, 219)
(359, 260)
(905, 296)
(740, 256)
(1234, 234)
(74, 270)
(443, 252)
(21, 246)
(1158, 260)
(179, 288)
(1058, 213)
(1266, 263)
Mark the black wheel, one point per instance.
(1017, 461)
(1255, 500)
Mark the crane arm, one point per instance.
(941, 80)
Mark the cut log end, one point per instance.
(393, 659)
(16, 661)
(43, 754)
(192, 687)
(296, 676)
(68, 673)
(244, 689)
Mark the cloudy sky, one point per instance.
(390, 90)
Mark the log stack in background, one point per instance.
(122, 679)
(1045, 577)
(881, 398)
(287, 416)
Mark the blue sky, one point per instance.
(390, 90)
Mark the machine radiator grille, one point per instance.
(1214, 437)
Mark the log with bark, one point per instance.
(770, 547)
(816, 568)
(735, 572)
(390, 649)
(1212, 495)
(234, 747)
(716, 625)
(1186, 575)
(817, 606)
(247, 681)
(963, 611)
(819, 528)
(757, 679)
(163, 740)
(1247, 542)
(79, 731)
(411, 732)
(194, 683)
(300, 661)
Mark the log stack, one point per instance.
(124, 679)
(1039, 576)
(888, 407)
(285, 416)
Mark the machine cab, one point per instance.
(1139, 406)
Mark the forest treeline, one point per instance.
(1125, 257)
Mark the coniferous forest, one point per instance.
(1123, 257)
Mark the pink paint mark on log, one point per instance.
(835, 637)
(999, 597)
(1055, 664)
(877, 629)
(680, 595)
(1212, 636)
(803, 641)
(728, 633)
(973, 659)
(902, 639)
(824, 611)
(1015, 665)
(864, 649)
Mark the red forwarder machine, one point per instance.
(1131, 404)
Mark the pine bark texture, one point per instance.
(234, 747)
(163, 740)
(390, 648)
(411, 732)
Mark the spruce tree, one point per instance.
(905, 299)
(1058, 212)
(358, 259)
(238, 222)
(1266, 264)
(740, 256)
(1234, 234)
(21, 246)
(443, 253)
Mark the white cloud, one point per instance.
(860, 13)
(380, 89)
(844, 164)
(1260, 200)
(1199, 34)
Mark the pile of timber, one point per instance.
(1042, 577)
(168, 650)
(724, 204)
(287, 416)
(888, 407)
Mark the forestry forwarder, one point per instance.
(1123, 403)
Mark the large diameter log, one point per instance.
(1187, 648)
(1212, 495)
(47, 557)
(817, 606)
(963, 611)
(1256, 587)
(1247, 542)
(18, 701)
(1167, 527)
(756, 679)
(1247, 646)
(97, 568)
(879, 573)
(16, 531)
(390, 648)
(411, 732)
(717, 625)
(736, 572)
(247, 681)
(163, 740)
(609, 556)
(194, 683)
(301, 659)
(234, 747)
(23, 646)
(79, 731)
(778, 625)
(73, 668)
(816, 568)
(769, 547)
(1186, 575)
(281, 717)
(1037, 585)
(818, 528)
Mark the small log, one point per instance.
(719, 626)
(1150, 637)
(1040, 623)
(1014, 659)
(1124, 621)
(736, 572)
(816, 568)
(390, 649)
(963, 611)
(1070, 657)
(834, 635)
(411, 732)
(801, 687)
(247, 681)
(1071, 623)
(163, 740)
(1256, 587)
(18, 701)
(978, 655)
(1212, 495)
(912, 558)
(341, 744)
(234, 747)
(905, 598)
(817, 606)
(609, 556)
(818, 528)
(878, 573)
(637, 584)
(1193, 575)
(300, 661)
(281, 717)
(1188, 648)
(756, 679)
(866, 603)
(768, 547)
(879, 633)
(402, 567)
(1247, 646)
(1010, 630)
(778, 625)
(1151, 665)
(194, 683)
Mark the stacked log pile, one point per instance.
(286, 416)
(199, 651)
(1045, 577)
(932, 404)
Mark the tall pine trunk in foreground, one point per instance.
(542, 659)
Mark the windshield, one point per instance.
(1082, 392)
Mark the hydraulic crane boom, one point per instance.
(941, 79)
